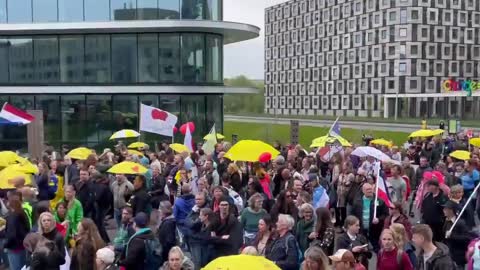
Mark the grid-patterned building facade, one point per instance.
(340, 57)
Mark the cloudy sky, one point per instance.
(246, 58)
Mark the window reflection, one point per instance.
(147, 9)
(150, 100)
(3, 11)
(73, 118)
(45, 10)
(96, 10)
(169, 9)
(97, 58)
(4, 47)
(71, 58)
(123, 10)
(125, 111)
(20, 11)
(124, 58)
(193, 56)
(169, 57)
(50, 105)
(99, 117)
(21, 60)
(46, 62)
(214, 58)
(214, 111)
(193, 109)
(72, 10)
(148, 58)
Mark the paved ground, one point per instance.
(327, 123)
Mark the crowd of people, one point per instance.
(300, 210)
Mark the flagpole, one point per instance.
(463, 209)
(377, 169)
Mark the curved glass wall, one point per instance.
(119, 59)
(89, 120)
(26, 11)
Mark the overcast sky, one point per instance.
(247, 57)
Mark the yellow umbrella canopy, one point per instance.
(10, 174)
(81, 153)
(135, 152)
(241, 262)
(128, 167)
(475, 142)
(124, 133)
(250, 150)
(382, 142)
(8, 158)
(137, 145)
(460, 154)
(179, 148)
(426, 133)
(219, 136)
(26, 167)
(326, 140)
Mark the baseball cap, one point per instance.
(342, 255)
(141, 219)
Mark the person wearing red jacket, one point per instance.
(391, 257)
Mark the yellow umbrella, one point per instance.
(8, 158)
(124, 133)
(128, 167)
(460, 154)
(475, 142)
(27, 167)
(250, 150)
(382, 142)
(9, 174)
(137, 145)
(325, 140)
(219, 136)
(179, 148)
(135, 152)
(81, 153)
(426, 133)
(241, 262)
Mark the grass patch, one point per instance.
(272, 132)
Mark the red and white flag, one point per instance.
(15, 115)
(326, 153)
(381, 189)
(157, 121)
(188, 141)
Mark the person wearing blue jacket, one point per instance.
(182, 207)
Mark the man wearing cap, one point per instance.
(135, 251)
(458, 239)
(432, 209)
(344, 259)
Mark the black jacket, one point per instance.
(232, 227)
(57, 239)
(283, 252)
(140, 201)
(47, 258)
(17, 227)
(432, 209)
(135, 251)
(440, 259)
(236, 182)
(382, 212)
(86, 195)
(345, 242)
(458, 241)
(167, 235)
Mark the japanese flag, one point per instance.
(157, 121)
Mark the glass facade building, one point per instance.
(169, 54)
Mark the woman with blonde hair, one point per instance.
(250, 250)
(177, 260)
(315, 259)
(400, 237)
(390, 256)
(235, 177)
(47, 227)
(88, 241)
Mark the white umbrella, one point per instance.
(364, 151)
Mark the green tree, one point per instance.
(244, 103)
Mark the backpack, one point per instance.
(52, 187)
(299, 252)
(153, 251)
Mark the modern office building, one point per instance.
(373, 58)
(88, 64)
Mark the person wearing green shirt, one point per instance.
(251, 215)
(74, 213)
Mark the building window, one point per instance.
(383, 68)
(392, 16)
(476, 51)
(369, 69)
(414, 49)
(454, 67)
(376, 52)
(403, 16)
(384, 34)
(391, 84)
(469, 34)
(403, 32)
(356, 101)
(402, 67)
(375, 85)
(423, 67)
(433, 15)
(413, 84)
(446, 51)
(124, 53)
(431, 50)
(391, 50)
(425, 32)
(454, 33)
(431, 84)
(448, 16)
(377, 18)
(439, 68)
(468, 67)
(414, 14)
(358, 7)
(439, 33)
(476, 18)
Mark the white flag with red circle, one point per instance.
(157, 121)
